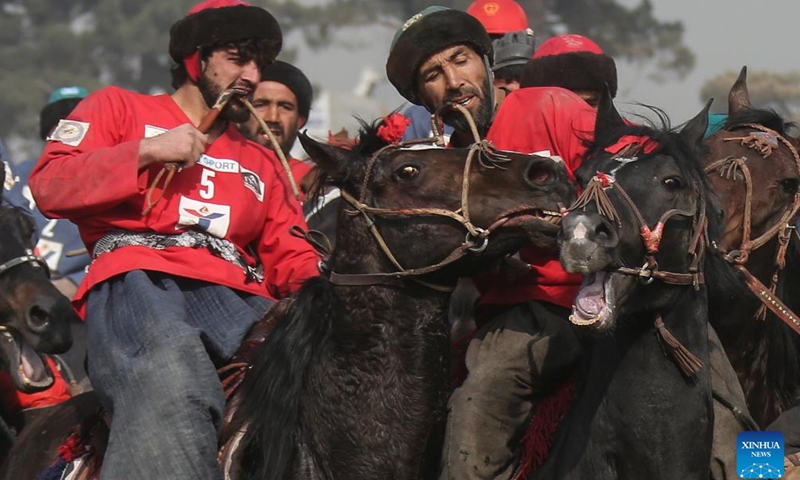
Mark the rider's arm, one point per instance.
(288, 260)
(91, 161)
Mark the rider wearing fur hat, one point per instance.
(573, 62)
(440, 57)
(183, 263)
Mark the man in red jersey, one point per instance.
(176, 280)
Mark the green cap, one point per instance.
(67, 92)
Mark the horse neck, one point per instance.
(626, 379)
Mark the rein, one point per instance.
(476, 240)
(597, 192)
(763, 142)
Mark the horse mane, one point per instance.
(766, 117)
(270, 394)
(367, 142)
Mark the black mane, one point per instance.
(766, 117)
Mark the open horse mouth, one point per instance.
(593, 304)
(27, 367)
(522, 215)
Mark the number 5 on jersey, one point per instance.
(207, 184)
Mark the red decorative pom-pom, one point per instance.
(393, 128)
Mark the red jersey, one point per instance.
(89, 174)
(552, 122)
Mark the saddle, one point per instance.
(80, 457)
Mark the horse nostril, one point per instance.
(539, 172)
(38, 318)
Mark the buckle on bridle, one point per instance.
(646, 274)
(483, 240)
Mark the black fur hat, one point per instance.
(215, 22)
(294, 79)
(573, 62)
(426, 33)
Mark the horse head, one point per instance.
(426, 207)
(34, 316)
(640, 219)
(754, 169)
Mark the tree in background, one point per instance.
(52, 43)
(779, 91)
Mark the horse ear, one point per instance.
(332, 160)
(608, 118)
(695, 129)
(739, 97)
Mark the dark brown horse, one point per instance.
(754, 169)
(353, 383)
(643, 407)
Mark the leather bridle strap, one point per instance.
(476, 240)
(595, 192)
(728, 168)
(23, 259)
(768, 298)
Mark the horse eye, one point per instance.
(790, 185)
(672, 183)
(407, 172)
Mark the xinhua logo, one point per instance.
(759, 455)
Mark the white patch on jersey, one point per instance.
(254, 183)
(69, 132)
(11, 179)
(151, 131)
(50, 252)
(209, 217)
(219, 164)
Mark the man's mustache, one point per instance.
(462, 92)
(276, 128)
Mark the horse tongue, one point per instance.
(31, 364)
(590, 301)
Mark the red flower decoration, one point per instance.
(393, 127)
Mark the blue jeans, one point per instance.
(154, 343)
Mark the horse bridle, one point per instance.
(476, 240)
(29, 257)
(729, 168)
(596, 192)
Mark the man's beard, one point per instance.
(482, 115)
(234, 111)
(287, 138)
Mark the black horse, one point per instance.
(643, 406)
(353, 382)
(34, 317)
(754, 169)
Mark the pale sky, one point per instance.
(724, 35)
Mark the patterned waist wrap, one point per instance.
(218, 247)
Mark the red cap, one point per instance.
(499, 16)
(216, 4)
(567, 44)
